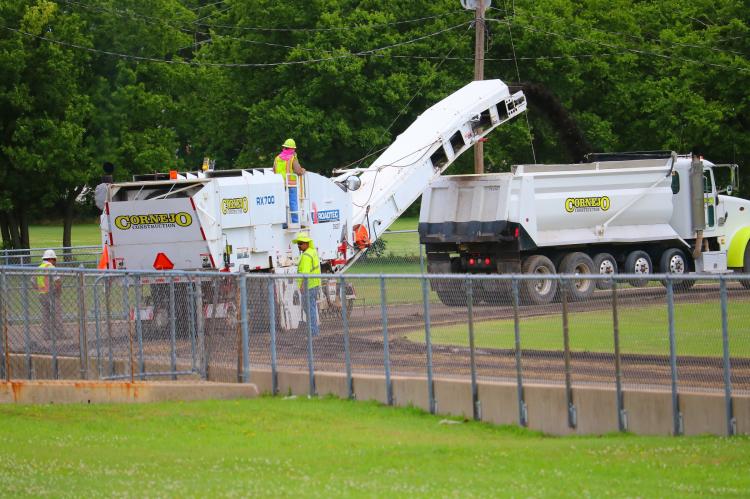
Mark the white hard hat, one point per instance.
(49, 254)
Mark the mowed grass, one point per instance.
(643, 329)
(274, 447)
(50, 236)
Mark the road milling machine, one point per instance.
(244, 220)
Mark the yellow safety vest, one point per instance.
(309, 263)
(42, 281)
(285, 168)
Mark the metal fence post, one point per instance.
(200, 325)
(82, 340)
(566, 354)
(522, 411)
(306, 304)
(272, 322)
(139, 326)
(53, 322)
(727, 366)
(421, 259)
(676, 415)
(472, 359)
(193, 323)
(172, 329)
(97, 333)
(621, 415)
(428, 345)
(347, 352)
(4, 319)
(215, 285)
(108, 304)
(126, 303)
(386, 346)
(26, 326)
(245, 334)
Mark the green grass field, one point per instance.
(643, 329)
(50, 236)
(272, 447)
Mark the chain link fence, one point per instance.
(70, 256)
(670, 332)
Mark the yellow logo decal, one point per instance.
(587, 204)
(153, 220)
(234, 205)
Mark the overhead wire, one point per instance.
(635, 38)
(230, 65)
(622, 50)
(518, 76)
(398, 115)
(127, 13)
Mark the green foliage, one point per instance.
(629, 75)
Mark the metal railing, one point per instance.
(671, 333)
(67, 256)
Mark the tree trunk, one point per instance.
(15, 234)
(5, 230)
(23, 228)
(68, 213)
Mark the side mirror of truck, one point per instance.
(730, 189)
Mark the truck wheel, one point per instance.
(451, 292)
(746, 268)
(580, 264)
(542, 291)
(638, 262)
(674, 261)
(604, 264)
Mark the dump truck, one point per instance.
(244, 220)
(632, 213)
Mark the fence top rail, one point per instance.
(21, 269)
(62, 249)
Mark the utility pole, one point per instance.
(478, 6)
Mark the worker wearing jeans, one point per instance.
(309, 263)
(286, 164)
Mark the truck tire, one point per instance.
(746, 268)
(580, 264)
(674, 261)
(604, 264)
(638, 262)
(451, 292)
(538, 292)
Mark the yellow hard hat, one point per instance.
(290, 143)
(302, 237)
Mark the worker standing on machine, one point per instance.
(287, 164)
(309, 263)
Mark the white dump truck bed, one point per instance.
(616, 201)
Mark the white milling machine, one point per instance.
(241, 221)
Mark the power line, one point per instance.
(231, 65)
(334, 28)
(624, 49)
(126, 13)
(637, 39)
(518, 75)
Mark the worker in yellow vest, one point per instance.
(287, 165)
(49, 288)
(286, 162)
(309, 263)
